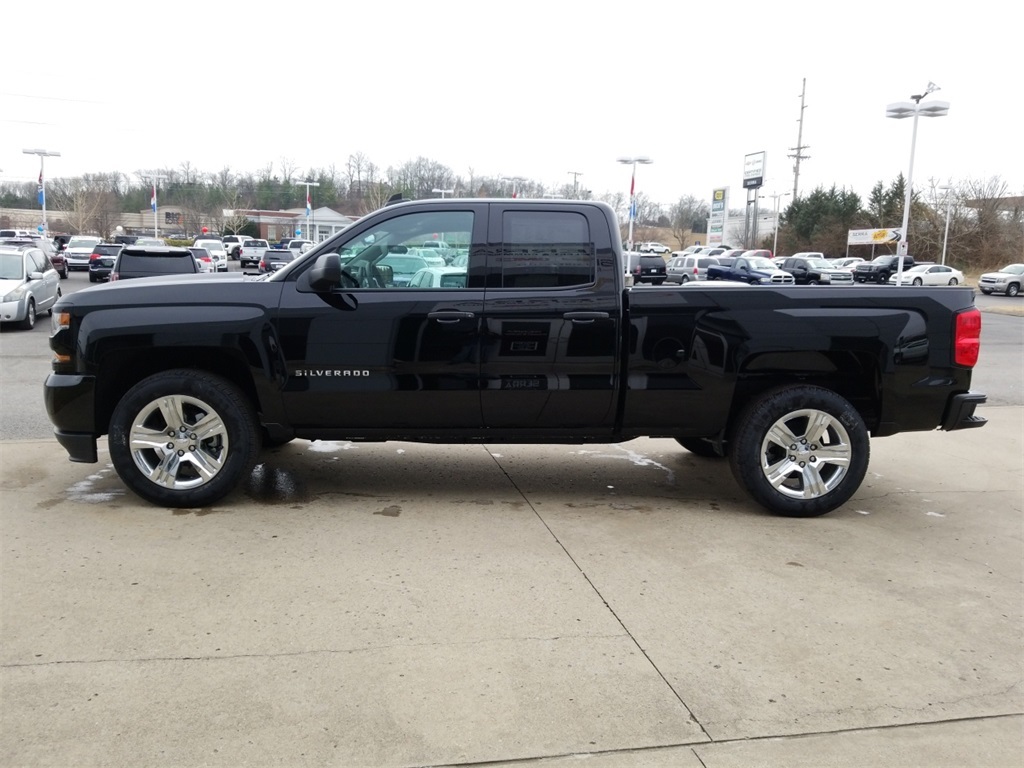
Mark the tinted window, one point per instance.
(140, 264)
(107, 250)
(546, 249)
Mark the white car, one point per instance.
(930, 274)
(79, 249)
(216, 250)
(847, 264)
(29, 284)
(652, 248)
(439, 277)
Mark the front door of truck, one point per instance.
(396, 347)
(551, 321)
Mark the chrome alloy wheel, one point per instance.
(178, 442)
(805, 454)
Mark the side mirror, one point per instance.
(326, 273)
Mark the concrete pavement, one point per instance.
(413, 605)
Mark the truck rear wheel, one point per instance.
(183, 438)
(800, 451)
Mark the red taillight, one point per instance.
(94, 256)
(967, 338)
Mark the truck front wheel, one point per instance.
(800, 451)
(183, 438)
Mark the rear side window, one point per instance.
(546, 249)
(705, 263)
(106, 250)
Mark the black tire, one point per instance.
(657, 282)
(29, 321)
(171, 465)
(883, 278)
(829, 448)
(698, 446)
(953, 281)
(987, 293)
(918, 281)
(812, 282)
(684, 279)
(1012, 289)
(93, 278)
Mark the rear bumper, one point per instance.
(960, 412)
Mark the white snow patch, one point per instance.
(330, 446)
(934, 514)
(863, 512)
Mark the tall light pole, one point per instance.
(949, 202)
(900, 110)
(515, 183)
(632, 190)
(775, 222)
(443, 192)
(152, 200)
(43, 153)
(309, 205)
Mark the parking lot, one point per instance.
(410, 605)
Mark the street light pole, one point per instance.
(43, 153)
(575, 183)
(632, 190)
(775, 221)
(945, 237)
(900, 110)
(309, 205)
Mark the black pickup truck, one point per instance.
(534, 338)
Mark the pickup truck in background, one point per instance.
(753, 270)
(815, 269)
(540, 342)
(233, 244)
(880, 268)
(251, 252)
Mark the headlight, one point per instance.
(16, 294)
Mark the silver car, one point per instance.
(683, 269)
(29, 284)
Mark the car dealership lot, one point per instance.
(398, 604)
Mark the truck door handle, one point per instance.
(450, 316)
(585, 317)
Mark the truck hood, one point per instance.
(183, 290)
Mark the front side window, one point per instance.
(393, 253)
(546, 249)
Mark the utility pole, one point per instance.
(575, 183)
(800, 147)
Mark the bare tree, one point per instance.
(89, 202)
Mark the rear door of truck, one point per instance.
(551, 320)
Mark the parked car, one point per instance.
(847, 263)
(101, 261)
(46, 246)
(275, 258)
(8, 233)
(135, 261)
(683, 269)
(878, 269)
(203, 259)
(652, 248)
(233, 245)
(299, 245)
(439, 277)
(403, 266)
(754, 270)
(79, 249)
(645, 267)
(815, 269)
(251, 252)
(1007, 280)
(147, 242)
(930, 274)
(29, 284)
(216, 250)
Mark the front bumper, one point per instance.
(13, 311)
(70, 400)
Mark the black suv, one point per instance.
(101, 260)
(645, 267)
(879, 269)
(147, 261)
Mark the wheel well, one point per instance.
(132, 366)
(853, 376)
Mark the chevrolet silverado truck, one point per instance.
(537, 341)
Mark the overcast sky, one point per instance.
(531, 89)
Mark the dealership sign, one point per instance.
(719, 210)
(753, 170)
(872, 236)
